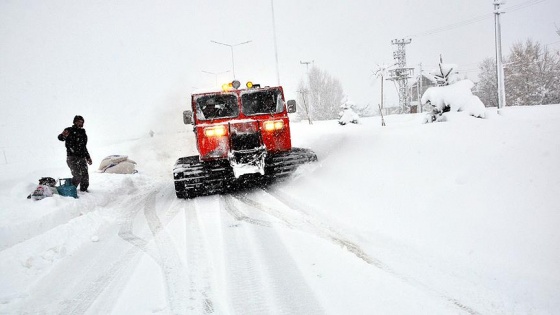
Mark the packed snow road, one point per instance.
(204, 256)
(224, 254)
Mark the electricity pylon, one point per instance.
(401, 73)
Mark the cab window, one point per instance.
(216, 106)
(262, 102)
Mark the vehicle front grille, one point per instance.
(245, 141)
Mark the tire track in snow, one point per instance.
(188, 285)
(86, 297)
(125, 230)
(163, 255)
(310, 225)
(262, 278)
(198, 263)
(173, 270)
(240, 216)
(82, 301)
(301, 220)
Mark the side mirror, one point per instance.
(291, 106)
(187, 117)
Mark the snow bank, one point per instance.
(31, 260)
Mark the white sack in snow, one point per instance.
(41, 192)
(458, 97)
(117, 164)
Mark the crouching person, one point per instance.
(77, 153)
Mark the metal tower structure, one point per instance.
(401, 73)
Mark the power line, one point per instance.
(453, 26)
(524, 5)
(475, 19)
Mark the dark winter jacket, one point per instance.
(76, 142)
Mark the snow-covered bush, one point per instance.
(456, 97)
(348, 115)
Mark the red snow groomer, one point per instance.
(242, 136)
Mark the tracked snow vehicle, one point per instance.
(242, 136)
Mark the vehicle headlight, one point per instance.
(272, 125)
(215, 131)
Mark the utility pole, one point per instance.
(499, 62)
(306, 63)
(382, 118)
(401, 73)
(420, 107)
(381, 106)
(381, 72)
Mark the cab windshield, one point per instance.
(262, 102)
(216, 106)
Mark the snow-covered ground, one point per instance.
(460, 217)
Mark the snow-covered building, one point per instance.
(417, 89)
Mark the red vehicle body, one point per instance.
(239, 132)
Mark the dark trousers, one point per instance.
(79, 168)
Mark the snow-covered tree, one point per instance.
(324, 95)
(304, 110)
(532, 75)
(487, 86)
(347, 114)
(365, 110)
(445, 74)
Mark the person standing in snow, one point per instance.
(77, 153)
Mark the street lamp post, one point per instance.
(215, 74)
(499, 65)
(231, 47)
(275, 43)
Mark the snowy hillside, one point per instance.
(459, 217)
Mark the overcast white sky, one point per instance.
(116, 61)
